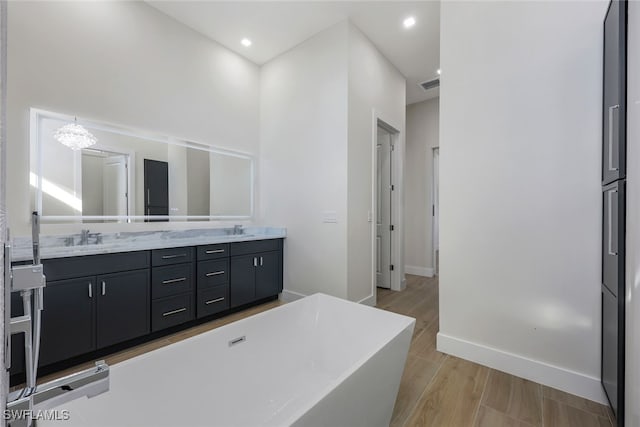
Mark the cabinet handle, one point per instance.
(215, 273)
(148, 197)
(173, 256)
(610, 207)
(172, 312)
(104, 288)
(214, 300)
(217, 251)
(261, 261)
(168, 282)
(90, 290)
(613, 107)
(255, 261)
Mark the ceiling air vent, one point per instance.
(430, 84)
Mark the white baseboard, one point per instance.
(290, 296)
(418, 271)
(370, 300)
(553, 376)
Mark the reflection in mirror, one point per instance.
(129, 175)
(105, 183)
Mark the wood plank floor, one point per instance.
(437, 389)
(442, 390)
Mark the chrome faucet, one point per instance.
(84, 237)
(237, 229)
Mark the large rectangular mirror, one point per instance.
(127, 175)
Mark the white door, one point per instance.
(383, 209)
(114, 185)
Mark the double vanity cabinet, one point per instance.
(97, 302)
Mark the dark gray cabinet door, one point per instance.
(612, 350)
(242, 288)
(614, 106)
(68, 319)
(613, 229)
(123, 307)
(267, 275)
(156, 187)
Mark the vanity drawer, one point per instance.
(212, 251)
(171, 311)
(171, 256)
(213, 300)
(91, 265)
(212, 273)
(171, 280)
(255, 246)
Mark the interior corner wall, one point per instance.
(375, 85)
(303, 160)
(422, 137)
(124, 63)
(520, 193)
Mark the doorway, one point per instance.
(105, 183)
(435, 210)
(384, 207)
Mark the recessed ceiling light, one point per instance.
(245, 42)
(409, 22)
(438, 71)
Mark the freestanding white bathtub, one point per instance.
(319, 361)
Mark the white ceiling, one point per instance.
(275, 27)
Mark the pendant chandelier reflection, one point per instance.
(74, 136)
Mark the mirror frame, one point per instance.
(36, 162)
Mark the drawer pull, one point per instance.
(173, 256)
(172, 312)
(168, 282)
(214, 300)
(215, 273)
(216, 251)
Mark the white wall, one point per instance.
(178, 189)
(123, 63)
(632, 373)
(303, 159)
(374, 85)
(92, 186)
(520, 138)
(316, 157)
(422, 136)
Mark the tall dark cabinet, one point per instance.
(613, 205)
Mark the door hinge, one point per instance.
(391, 228)
(391, 267)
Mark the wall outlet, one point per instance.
(330, 217)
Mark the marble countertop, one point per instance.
(55, 246)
